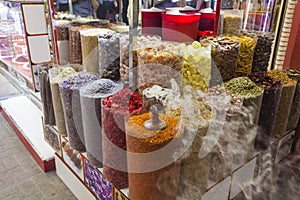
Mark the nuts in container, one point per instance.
(159, 64)
(139, 41)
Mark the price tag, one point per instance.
(218, 192)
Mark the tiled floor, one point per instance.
(6, 88)
(20, 176)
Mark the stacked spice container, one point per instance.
(243, 129)
(138, 42)
(57, 75)
(109, 55)
(285, 103)
(197, 66)
(89, 48)
(225, 54)
(159, 63)
(295, 109)
(195, 167)
(263, 49)
(69, 91)
(90, 100)
(226, 108)
(244, 66)
(150, 176)
(115, 109)
(46, 95)
(269, 107)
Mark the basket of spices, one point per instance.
(109, 55)
(225, 54)
(269, 107)
(243, 129)
(245, 60)
(285, 103)
(75, 54)
(158, 64)
(295, 109)
(57, 75)
(232, 22)
(115, 110)
(197, 66)
(138, 42)
(263, 49)
(89, 48)
(69, 91)
(90, 101)
(149, 136)
(46, 95)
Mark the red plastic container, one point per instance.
(151, 22)
(207, 21)
(180, 27)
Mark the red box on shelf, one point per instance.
(207, 21)
(151, 22)
(180, 27)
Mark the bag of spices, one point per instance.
(89, 48)
(109, 55)
(269, 108)
(75, 54)
(69, 91)
(225, 54)
(159, 63)
(90, 101)
(197, 66)
(115, 110)
(233, 22)
(138, 42)
(263, 49)
(243, 127)
(245, 60)
(295, 109)
(153, 170)
(57, 75)
(285, 103)
(46, 95)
